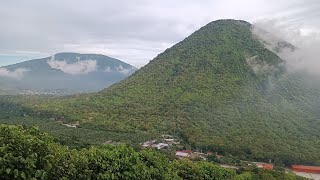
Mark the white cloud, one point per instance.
(123, 70)
(16, 74)
(259, 67)
(305, 58)
(80, 67)
(120, 69)
(108, 69)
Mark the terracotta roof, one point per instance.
(317, 168)
(267, 166)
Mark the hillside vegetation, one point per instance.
(219, 89)
(31, 154)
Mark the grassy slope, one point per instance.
(204, 90)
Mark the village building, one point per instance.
(181, 154)
(164, 143)
(267, 166)
(161, 145)
(209, 153)
(184, 153)
(263, 165)
(307, 169)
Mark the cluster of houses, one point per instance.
(167, 141)
(164, 143)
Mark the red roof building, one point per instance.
(209, 153)
(309, 169)
(263, 165)
(267, 166)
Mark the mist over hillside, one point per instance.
(301, 51)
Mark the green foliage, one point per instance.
(201, 170)
(227, 159)
(23, 152)
(244, 176)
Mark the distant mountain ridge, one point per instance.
(69, 72)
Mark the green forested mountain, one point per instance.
(219, 89)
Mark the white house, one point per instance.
(161, 145)
(182, 154)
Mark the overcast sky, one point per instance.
(134, 31)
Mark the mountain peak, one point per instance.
(68, 55)
(223, 47)
(230, 21)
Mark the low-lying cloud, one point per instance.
(259, 67)
(80, 67)
(15, 74)
(304, 57)
(120, 69)
(123, 70)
